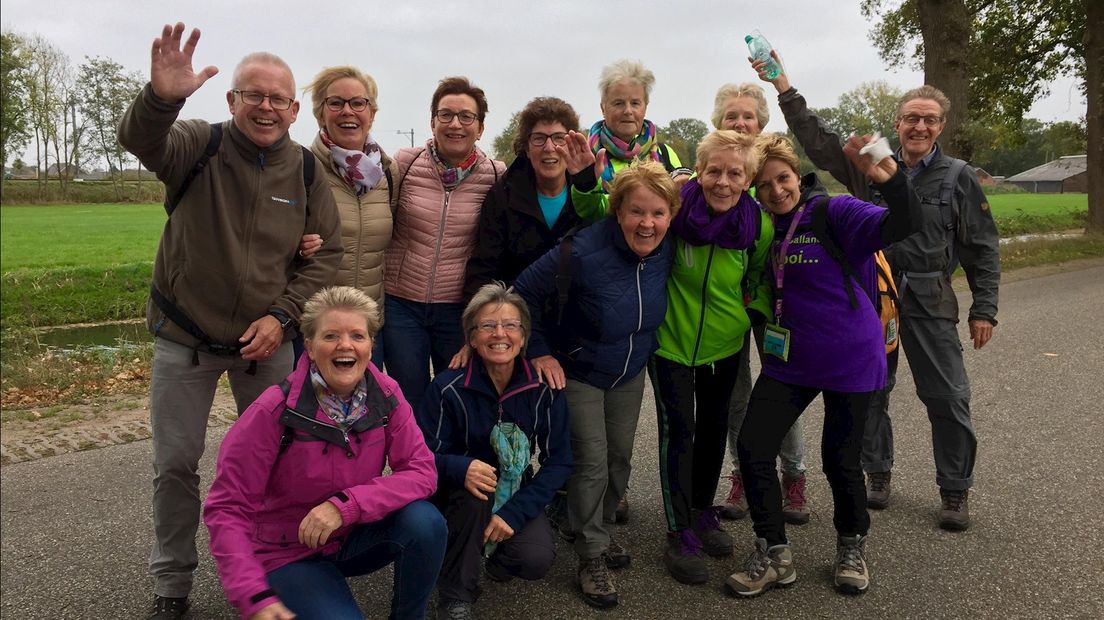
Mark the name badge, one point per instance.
(776, 342)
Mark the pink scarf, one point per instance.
(360, 169)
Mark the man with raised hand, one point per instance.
(227, 286)
(959, 231)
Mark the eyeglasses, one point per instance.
(356, 104)
(446, 116)
(915, 119)
(509, 325)
(540, 139)
(278, 102)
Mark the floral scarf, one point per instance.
(644, 145)
(362, 170)
(452, 176)
(343, 412)
(735, 229)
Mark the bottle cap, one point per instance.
(748, 38)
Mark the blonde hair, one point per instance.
(646, 173)
(776, 146)
(626, 70)
(339, 298)
(326, 77)
(728, 139)
(744, 89)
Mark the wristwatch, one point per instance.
(282, 317)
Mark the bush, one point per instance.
(93, 192)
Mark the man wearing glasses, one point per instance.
(959, 229)
(227, 289)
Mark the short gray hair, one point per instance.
(339, 298)
(744, 89)
(926, 91)
(496, 294)
(626, 70)
(261, 58)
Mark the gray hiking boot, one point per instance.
(455, 610)
(683, 558)
(736, 506)
(851, 574)
(955, 515)
(596, 584)
(794, 509)
(877, 489)
(765, 568)
(707, 525)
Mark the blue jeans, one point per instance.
(412, 537)
(418, 333)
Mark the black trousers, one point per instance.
(773, 408)
(692, 411)
(528, 554)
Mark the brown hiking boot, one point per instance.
(596, 583)
(955, 515)
(765, 568)
(735, 506)
(794, 510)
(877, 489)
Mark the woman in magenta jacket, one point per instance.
(299, 500)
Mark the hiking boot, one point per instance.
(877, 489)
(596, 583)
(616, 556)
(455, 610)
(167, 608)
(683, 558)
(736, 506)
(707, 526)
(621, 515)
(556, 511)
(765, 568)
(955, 515)
(852, 576)
(794, 510)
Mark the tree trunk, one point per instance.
(945, 27)
(1094, 89)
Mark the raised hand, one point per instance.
(878, 171)
(781, 82)
(171, 73)
(577, 155)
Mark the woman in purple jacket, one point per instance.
(299, 500)
(825, 337)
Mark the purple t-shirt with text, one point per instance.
(832, 345)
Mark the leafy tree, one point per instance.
(105, 90)
(865, 109)
(48, 68)
(14, 122)
(683, 135)
(504, 142)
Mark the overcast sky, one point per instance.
(513, 50)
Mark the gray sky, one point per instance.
(513, 50)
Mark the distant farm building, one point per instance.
(1064, 175)
(984, 177)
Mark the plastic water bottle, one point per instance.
(760, 49)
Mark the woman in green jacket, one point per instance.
(717, 289)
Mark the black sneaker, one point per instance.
(877, 489)
(167, 608)
(707, 525)
(683, 558)
(556, 511)
(616, 556)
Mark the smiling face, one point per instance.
(778, 186)
(623, 109)
(261, 123)
(502, 344)
(918, 138)
(740, 115)
(644, 217)
(547, 164)
(724, 178)
(341, 348)
(348, 129)
(454, 141)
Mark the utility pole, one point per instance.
(407, 133)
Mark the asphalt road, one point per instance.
(77, 527)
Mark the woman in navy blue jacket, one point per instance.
(614, 274)
(483, 423)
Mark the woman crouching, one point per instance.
(299, 500)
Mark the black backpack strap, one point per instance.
(563, 271)
(947, 210)
(831, 246)
(209, 151)
(402, 177)
(390, 186)
(308, 173)
(665, 157)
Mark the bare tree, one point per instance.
(47, 65)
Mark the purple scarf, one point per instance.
(734, 229)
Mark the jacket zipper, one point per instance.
(704, 300)
(360, 242)
(437, 250)
(639, 324)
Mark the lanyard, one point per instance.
(778, 264)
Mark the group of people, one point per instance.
(516, 311)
